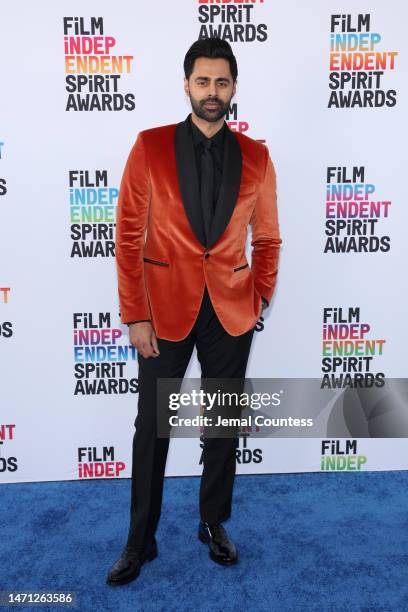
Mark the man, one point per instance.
(194, 186)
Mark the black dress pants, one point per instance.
(219, 355)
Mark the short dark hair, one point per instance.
(213, 48)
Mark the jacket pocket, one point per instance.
(241, 267)
(154, 261)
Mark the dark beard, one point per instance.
(210, 115)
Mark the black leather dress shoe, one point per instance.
(222, 549)
(128, 566)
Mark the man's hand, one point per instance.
(143, 337)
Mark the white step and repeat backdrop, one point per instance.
(324, 85)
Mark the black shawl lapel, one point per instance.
(189, 185)
(188, 178)
(231, 179)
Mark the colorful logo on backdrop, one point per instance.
(93, 72)
(341, 456)
(8, 463)
(94, 463)
(93, 209)
(349, 355)
(354, 216)
(4, 295)
(235, 123)
(101, 355)
(236, 21)
(6, 327)
(358, 64)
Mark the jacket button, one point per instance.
(206, 255)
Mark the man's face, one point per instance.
(210, 88)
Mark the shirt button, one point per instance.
(206, 255)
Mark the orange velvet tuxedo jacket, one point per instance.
(163, 262)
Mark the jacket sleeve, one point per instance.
(266, 238)
(131, 222)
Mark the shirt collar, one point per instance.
(199, 136)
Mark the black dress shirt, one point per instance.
(217, 152)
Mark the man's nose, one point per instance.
(212, 89)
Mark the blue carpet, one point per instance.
(306, 542)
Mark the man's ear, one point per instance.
(186, 88)
(234, 88)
